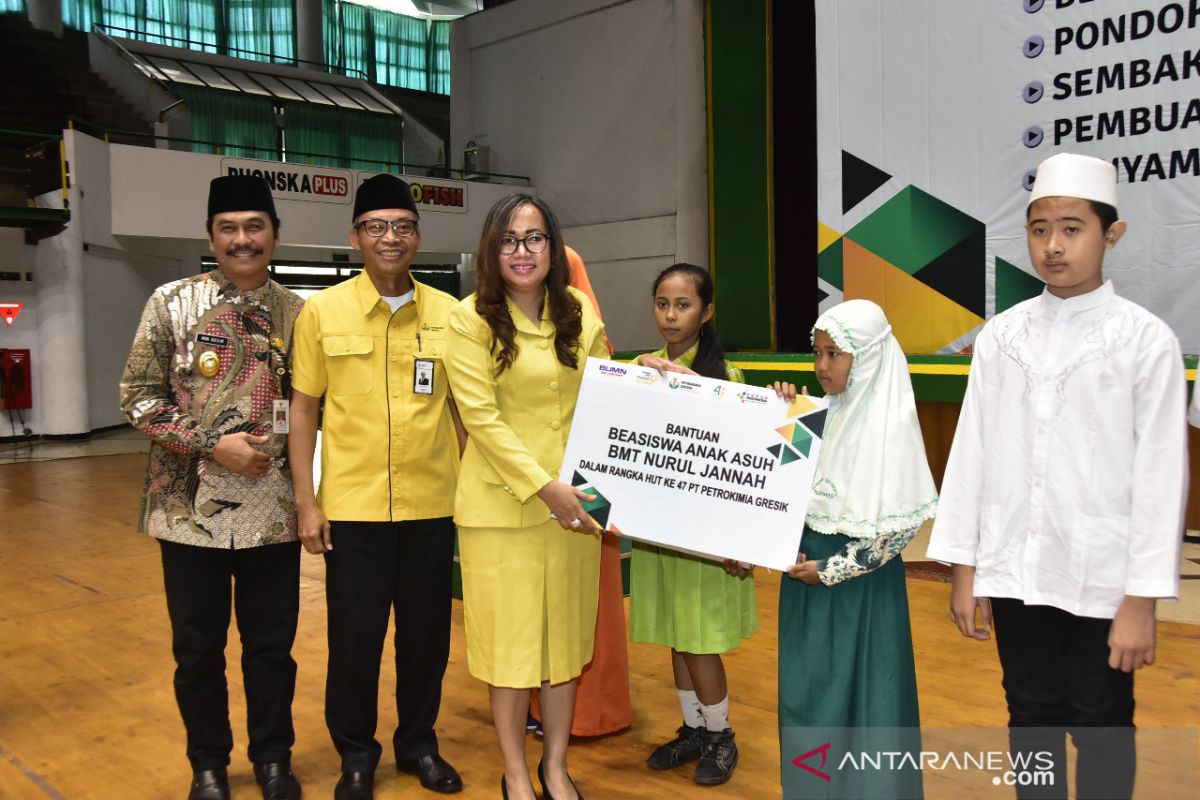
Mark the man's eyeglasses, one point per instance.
(378, 227)
(534, 243)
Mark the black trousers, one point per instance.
(1057, 681)
(266, 595)
(373, 568)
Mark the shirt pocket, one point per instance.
(488, 473)
(349, 363)
(476, 464)
(997, 542)
(1100, 547)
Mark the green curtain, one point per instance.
(127, 16)
(383, 46)
(80, 14)
(387, 47)
(312, 130)
(352, 139)
(170, 22)
(262, 30)
(331, 30)
(438, 64)
(180, 23)
(243, 28)
(400, 47)
(242, 125)
(356, 40)
(12, 6)
(379, 137)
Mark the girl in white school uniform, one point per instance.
(845, 647)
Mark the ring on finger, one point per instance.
(575, 523)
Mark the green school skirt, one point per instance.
(691, 604)
(846, 662)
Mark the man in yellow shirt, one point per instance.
(373, 346)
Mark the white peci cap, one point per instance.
(1072, 175)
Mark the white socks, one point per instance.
(690, 704)
(716, 717)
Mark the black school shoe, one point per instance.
(209, 784)
(434, 772)
(355, 786)
(718, 757)
(685, 747)
(277, 781)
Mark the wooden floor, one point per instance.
(87, 711)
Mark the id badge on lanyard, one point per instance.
(423, 374)
(280, 416)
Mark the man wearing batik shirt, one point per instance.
(207, 380)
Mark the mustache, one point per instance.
(242, 252)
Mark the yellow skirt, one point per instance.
(529, 597)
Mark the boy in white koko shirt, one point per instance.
(1062, 505)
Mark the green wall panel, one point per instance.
(740, 233)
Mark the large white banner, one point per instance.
(709, 467)
(932, 115)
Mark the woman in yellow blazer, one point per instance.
(515, 356)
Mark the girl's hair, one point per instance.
(710, 355)
(490, 295)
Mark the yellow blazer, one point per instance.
(517, 423)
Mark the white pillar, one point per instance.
(61, 372)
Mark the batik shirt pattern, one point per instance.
(189, 498)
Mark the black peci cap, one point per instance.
(383, 191)
(240, 193)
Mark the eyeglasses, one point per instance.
(534, 243)
(378, 227)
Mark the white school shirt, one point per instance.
(1067, 477)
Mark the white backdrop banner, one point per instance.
(933, 115)
(709, 467)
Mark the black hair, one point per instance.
(1106, 213)
(710, 354)
(275, 224)
(490, 295)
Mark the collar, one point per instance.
(686, 358)
(219, 278)
(225, 286)
(524, 323)
(1093, 299)
(369, 297)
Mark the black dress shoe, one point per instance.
(435, 774)
(277, 781)
(355, 786)
(546, 791)
(209, 784)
